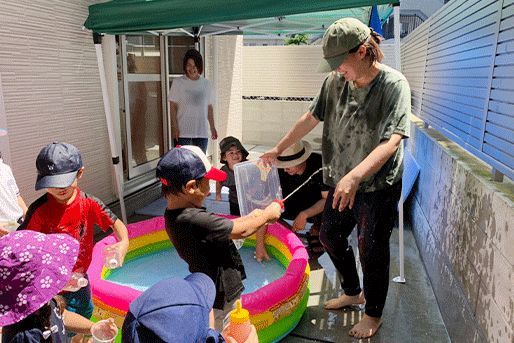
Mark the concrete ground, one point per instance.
(410, 315)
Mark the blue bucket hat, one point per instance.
(57, 165)
(173, 310)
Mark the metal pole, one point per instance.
(397, 47)
(118, 171)
(398, 64)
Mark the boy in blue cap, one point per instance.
(201, 238)
(64, 208)
(176, 310)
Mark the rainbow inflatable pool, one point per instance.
(275, 309)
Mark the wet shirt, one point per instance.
(77, 219)
(356, 120)
(202, 239)
(306, 196)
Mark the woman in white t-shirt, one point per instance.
(191, 98)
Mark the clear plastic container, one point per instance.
(111, 257)
(104, 332)
(257, 185)
(76, 282)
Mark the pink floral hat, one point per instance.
(34, 267)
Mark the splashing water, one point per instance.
(306, 182)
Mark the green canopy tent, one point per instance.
(135, 16)
(209, 17)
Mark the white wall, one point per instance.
(288, 74)
(51, 89)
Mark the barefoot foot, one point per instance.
(366, 327)
(344, 301)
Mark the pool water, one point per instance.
(145, 271)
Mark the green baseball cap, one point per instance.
(341, 37)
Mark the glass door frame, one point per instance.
(135, 171)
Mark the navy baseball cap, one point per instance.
(173, 310)
(57, 165)
(185, 163)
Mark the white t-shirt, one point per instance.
(9, 192)
(193, 98)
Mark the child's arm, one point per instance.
(121, 232)
(22, 204)
(76, 323)
(248, 225)
(260, 247)
(218, 191)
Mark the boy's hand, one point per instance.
(272, 212)
(122, 248)
(256, 213)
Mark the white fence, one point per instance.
(279, 82)
(460, 65)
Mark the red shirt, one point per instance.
(77, 219)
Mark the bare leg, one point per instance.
(366, 327)
(344, 301)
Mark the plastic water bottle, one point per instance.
(111, 257)
(240, 326)
(77, 282)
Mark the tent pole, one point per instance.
(196, 37)
(118, 171)
(397, 47)
(398, 64)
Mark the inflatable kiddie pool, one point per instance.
(275, 309)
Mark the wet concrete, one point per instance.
(411, 313)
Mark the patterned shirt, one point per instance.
(357, 120)
(77, 219)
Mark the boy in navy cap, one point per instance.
(201, 238)
(176, 310)
(64, 208)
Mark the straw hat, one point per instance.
(294, 155)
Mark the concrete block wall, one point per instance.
(463, 224)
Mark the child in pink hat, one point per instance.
(34, 268)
